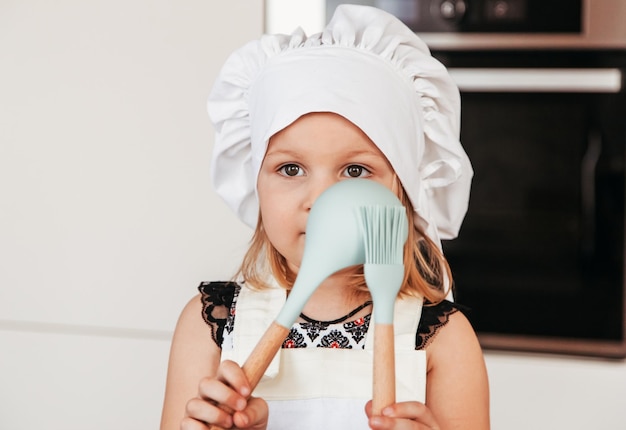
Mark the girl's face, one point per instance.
(302, 160)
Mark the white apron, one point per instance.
(324, 388)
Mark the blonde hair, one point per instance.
(427, 273)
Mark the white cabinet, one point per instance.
(61, 381)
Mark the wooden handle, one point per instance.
(260, 358)
(264, 352)
(384, 386)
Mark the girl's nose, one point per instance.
(315, 188)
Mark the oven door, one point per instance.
(540, 256)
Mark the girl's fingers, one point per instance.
(230, 387)
(191, 424)
(217, 398)
(222, 400)
(412, 410)
(230, 373)
(254, 416)
(403, 416)
(384, 423)
(201, 412)
(216, 392)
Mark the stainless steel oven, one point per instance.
(540, 257)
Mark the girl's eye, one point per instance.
(356, 171)
(291, 170)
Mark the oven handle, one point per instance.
(588, 192)
(607, 80)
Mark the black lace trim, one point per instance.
(218, 310)
(352, 313)
(433, 318)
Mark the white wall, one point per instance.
(108, 222)
(107, 218)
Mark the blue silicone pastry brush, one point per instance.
(385, 231)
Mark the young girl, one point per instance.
(294, 115)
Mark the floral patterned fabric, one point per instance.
(219, 305)
(319, 334)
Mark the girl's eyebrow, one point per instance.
(282, 155)
(368, 151)
(282, 152)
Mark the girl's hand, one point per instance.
(402, 416)
(229, 389)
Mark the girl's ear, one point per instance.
(395, 185)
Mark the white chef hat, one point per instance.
(366, 66)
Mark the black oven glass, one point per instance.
(482, 16)
(541, 250)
